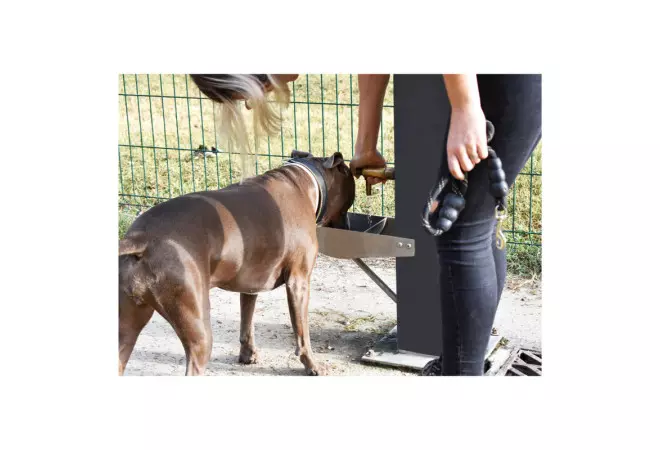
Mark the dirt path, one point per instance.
(345, 320)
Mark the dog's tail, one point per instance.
(135, 275)
(134, 245)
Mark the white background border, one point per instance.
(600, 162)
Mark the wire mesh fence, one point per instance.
(169, 144)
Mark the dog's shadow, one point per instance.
(270, 336)
(221, 364)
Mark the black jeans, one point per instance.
(472, 269)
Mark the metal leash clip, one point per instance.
(500, 217)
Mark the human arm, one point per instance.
(466, 142)
(372, 93)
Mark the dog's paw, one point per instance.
(248, 356)
(318, 369)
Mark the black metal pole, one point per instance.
(421, 121)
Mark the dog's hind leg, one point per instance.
(297, 289)
(189, 315)
(132, 319)
(248, 353)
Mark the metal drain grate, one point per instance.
(527, 363)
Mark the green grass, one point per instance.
(157, 159)
(524, 260)
(126, 218)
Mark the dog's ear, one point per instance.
(299, 154)
(333, 161)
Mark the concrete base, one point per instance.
(386, 353)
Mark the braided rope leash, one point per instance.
(449, 207)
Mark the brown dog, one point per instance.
(249, 238)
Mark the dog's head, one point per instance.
(340, 186)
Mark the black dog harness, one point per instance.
(451, 204)
(309, 166)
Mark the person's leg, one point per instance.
(513, 104)
(472, 270)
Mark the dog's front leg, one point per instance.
(248, 353)
(297, 289)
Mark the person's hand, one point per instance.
(368, 160)
(466, 143)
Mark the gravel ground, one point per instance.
(345, 320)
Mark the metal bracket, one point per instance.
(363, 240)
(376, 279)
(355, 244)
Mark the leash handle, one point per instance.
(440, 212)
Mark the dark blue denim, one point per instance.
(472, 269)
